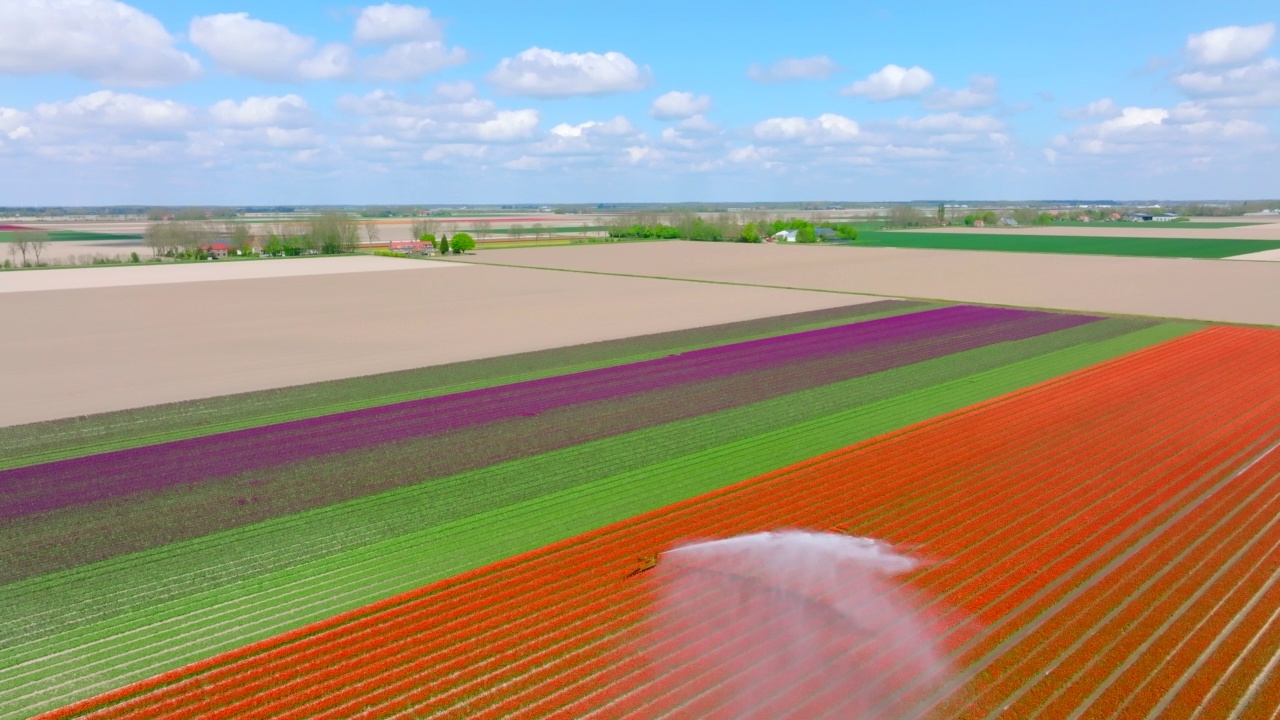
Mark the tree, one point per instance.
(428, 238)
(18, 246)
(942, 214)
(481, 227)
(462, 243)
(749, 233)
(371, 233)
(444, 244)
(517, 231)
(904, 216)
(423, 226)
(332, 233)
(37, 240)
(241, 238)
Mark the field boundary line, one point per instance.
(951, 301)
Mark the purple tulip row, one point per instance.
(68, 482)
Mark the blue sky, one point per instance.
(213, 102)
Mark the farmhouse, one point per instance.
(785, 235)
(408, 246)
(216, 250)
(1164, 217)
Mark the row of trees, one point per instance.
(330, 233)
(27, 244)
(751, 228)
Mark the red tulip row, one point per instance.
(1060, 478)
(1107, 625)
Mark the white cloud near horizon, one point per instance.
(892, 82)
(677, 105)
(458, 118)
(543, 73)
(1230, 45)
(818, 67)
(106, 41)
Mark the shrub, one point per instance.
(462, 242)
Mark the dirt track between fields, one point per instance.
(1242, 292)
(77, 352)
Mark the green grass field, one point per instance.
(1161, 225)
(1060, 244)
(66, 235)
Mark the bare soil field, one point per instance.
(1258, 231)
(1241, 292)
(1264, 256)
(64, 251)
(77, 352)
(211, 271)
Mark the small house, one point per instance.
(407, 246)
(785, 235)
(216, 250)
(1164, 217)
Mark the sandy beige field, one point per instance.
(1264, 256)
(1244, 292)
(211, 271)
(76, 352)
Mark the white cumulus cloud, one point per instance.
(390, 23)
(617, 126)
(284, 111)
(892, 82)
(13, 123)
(819, 67)
(409, 61)
(122, 111)
(101, 40)
(677, 105)
(1256, 85)
(983, 91)
(241, 45)
(1106, 107)
(952, 122)
(415, 40)
(827, 128)
(457, 118)
(1230, 45)
(538, 72)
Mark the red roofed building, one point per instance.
(217, 250)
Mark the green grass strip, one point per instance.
(1174, 247)
(77, 437)
(54, 660)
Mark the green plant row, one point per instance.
(79, 437)
(217, 558)
(1173, 247)
(46, 669)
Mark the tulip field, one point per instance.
(1097, 499)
